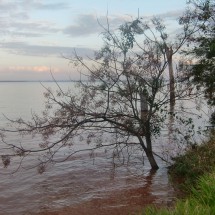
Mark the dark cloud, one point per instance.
(87, 24)
(22, 48)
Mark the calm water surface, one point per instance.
(81, 185)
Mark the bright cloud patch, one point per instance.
(34, 69)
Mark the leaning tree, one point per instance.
(121, 99)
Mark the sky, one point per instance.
(38, 36)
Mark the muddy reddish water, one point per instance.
(80, 185)
(85, 186)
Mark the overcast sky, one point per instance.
(36, 34)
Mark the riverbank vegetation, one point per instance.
(196, 171)
(196, 162)
(201, 200)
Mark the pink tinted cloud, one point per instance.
(39, 69)
(36, 73)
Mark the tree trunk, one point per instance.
(152, 161)
(145, 130)
(148, 147)
(171, 124)
(149, 152)
(144, 110)
(169, 54)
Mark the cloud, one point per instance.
(19, 34)
(26, 74)
(40, 69)
(16, 17)
(37, 73)
(27, 28)
(58, 6)
(87, 24)
(169, 15)
(40, 26)
(25, 5)
(21, 15)
(22, 48)
(5, 6)
(40, 5)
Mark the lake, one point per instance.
(81, 185)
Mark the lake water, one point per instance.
(80, 185)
